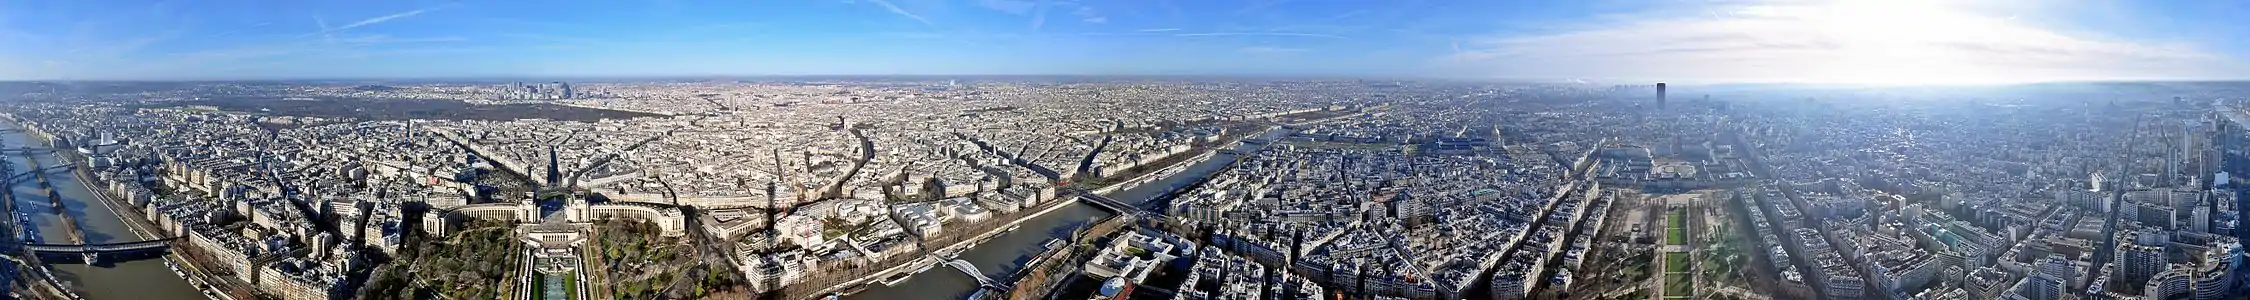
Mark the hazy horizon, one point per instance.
(1749, 41)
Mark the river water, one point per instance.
(146, 279)
(1003, 255)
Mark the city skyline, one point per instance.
(1679, 41)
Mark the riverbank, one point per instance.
(46, 286)
(1054, 268)
(918, 264)
(137, 222)
(1011, 254)
(179, 266)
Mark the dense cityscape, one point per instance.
(1123, 188)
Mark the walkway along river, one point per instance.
(1000, 257)
(146, 279)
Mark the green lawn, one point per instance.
(1676, 262)
(1676, 232)
(1676, 285)
(538, 279)
(570, 286)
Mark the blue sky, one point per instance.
(1902, 41)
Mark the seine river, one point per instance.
(146, 279)
(1003, 255)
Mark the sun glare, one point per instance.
(1901, 42)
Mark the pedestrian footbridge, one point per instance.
(982, 281)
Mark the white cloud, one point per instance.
(1884, 42)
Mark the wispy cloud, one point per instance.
(916, 35)
(386, 39)
(348, 45)
(1834, 43)
(238, 30)
(1278, 34)
(1270, 50)
(1013, 7)
(1353, 13)
(120, 48)
(1088, 15)
(513, 23)
(701, 31)
(1159, 30)
(558, 39)
(325, 30)
(1039, 15)
(241, 52)
(423, 51)
(1261, 6)
(894, 9)
(380, 20)
(229, 56)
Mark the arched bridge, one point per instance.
(95, 253)
(982, 281)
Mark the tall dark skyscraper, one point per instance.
(772, 206)
(1659, 95)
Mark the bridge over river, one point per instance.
(1005, 254)
(60, 225)
(100, 252)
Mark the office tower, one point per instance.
(2138, 263)
(773, 212)
(1660, 95)
(566, 92)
